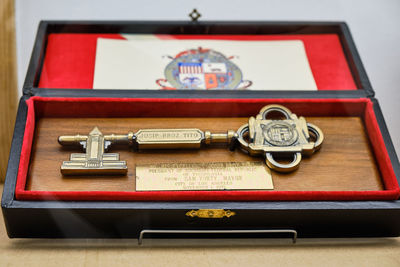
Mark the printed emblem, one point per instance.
(280, 133)
(202, 69)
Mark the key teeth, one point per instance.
(94, 161)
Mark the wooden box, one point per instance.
(349, 188)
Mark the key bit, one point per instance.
(94, 161)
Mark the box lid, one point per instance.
(64, 55)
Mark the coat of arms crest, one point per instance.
(202, 69)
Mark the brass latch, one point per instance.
(210, 213)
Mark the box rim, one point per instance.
(8, 200)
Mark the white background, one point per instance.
(375, 26)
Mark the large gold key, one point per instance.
(285, 138)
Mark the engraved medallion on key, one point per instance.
(280, 133)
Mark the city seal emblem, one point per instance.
(280, 133)
(202, 69)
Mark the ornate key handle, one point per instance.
(284, 138)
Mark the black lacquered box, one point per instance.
(349, 188)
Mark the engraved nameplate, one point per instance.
(203, 176)
(174, 138)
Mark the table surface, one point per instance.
(199, 252)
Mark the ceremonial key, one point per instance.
(285, 138)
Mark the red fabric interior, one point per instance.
(120, 107)
(69, 60)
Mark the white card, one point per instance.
(202, 64)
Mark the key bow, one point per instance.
(286, 137)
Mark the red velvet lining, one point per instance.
(88, 107)
(69, 60)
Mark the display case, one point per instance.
(348, 188)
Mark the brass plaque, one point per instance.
(203, 176)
